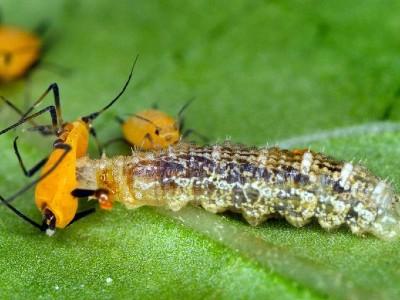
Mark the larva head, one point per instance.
(387, 223)
(19, 50)
(151, 129)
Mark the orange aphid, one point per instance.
(151, 129)
(19, 51)
(53, 193)
(58, 176)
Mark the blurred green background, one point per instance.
(262, 72)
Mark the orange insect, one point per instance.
(19, 52)
(154, 129)
(53, 191)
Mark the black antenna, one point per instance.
(184, 107)
(92, 116)
(146, 120)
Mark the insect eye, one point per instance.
(157, 132)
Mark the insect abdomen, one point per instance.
(259, 183)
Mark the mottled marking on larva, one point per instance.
(258, 183)
(306, 163)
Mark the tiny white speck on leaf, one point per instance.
(109, 280)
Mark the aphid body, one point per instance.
(297, 185)
(53, 192)
(19, 50)
(151, 129)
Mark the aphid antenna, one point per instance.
(185, 106)
(91, 117)
(180, 117)
(147, 120)
(42, 27)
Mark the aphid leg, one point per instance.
(102, 195)
(34, 169)
(48, 221)
(189, 131)
(119, 120)
(116, 140)
(147, 137)
(53, 114)
(96, 140)
(15, 108)
(43, 129)
(56, 95)
(20, 214)
(82, 214)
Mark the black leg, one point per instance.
(45, 130)
(53, 114)
(188, 132)
(119, 120)
(62, 146)
(147, 137)
(34, 169)
(57, 103)
(15, 108)
(20, 214)
(116, 140)
(82, 214)
(66, 149)
(83, 193)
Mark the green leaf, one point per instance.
(297, 73)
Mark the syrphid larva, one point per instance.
(298, 185)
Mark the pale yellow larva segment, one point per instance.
(298, 185)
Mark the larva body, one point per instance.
(298, 185)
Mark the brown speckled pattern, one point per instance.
(258, 183)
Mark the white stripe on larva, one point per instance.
(381, 194)
(306, 163)
(345, 174)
